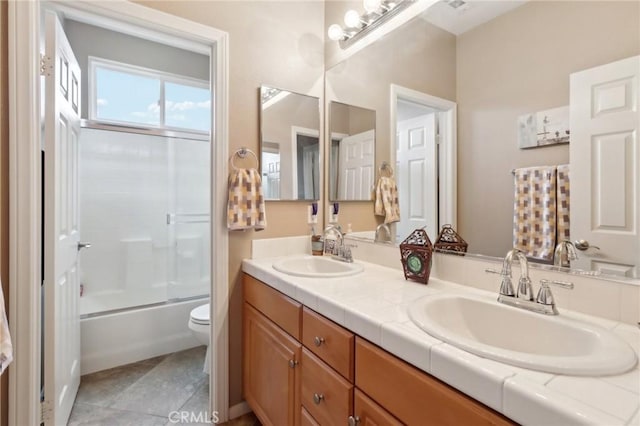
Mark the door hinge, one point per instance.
(46, 65)
(45, 411)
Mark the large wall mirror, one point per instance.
(352, 132)
(498, 62)
(289, 145)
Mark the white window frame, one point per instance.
(95, 62)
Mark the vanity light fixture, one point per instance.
(358, 25)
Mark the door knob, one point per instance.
(83, 245)
(583, 245)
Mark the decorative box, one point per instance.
(416, 252)
(450, 241)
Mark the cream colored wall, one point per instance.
(406, 58)
(274, 43)
(516, 64)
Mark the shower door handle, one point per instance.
(83, 245)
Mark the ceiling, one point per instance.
(469, 15)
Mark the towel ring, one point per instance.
(386, 168)
(242, 153)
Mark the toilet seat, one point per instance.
(200, 315)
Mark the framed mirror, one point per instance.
(351, 148)
(492, 60)
(289, 145)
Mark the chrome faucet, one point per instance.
(385, 227)
(564, 253)
(337, 248)
(523, 298)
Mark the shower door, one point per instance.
(189, 242)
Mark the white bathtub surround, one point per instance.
(374, 303)
(112, 340)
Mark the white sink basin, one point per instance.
(316, 266)
(554, 344)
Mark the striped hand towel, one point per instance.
(386, 202)
(534, 211)
(562, 199)
(245, 208)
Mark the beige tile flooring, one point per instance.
(147, 393)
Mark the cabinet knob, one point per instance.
(318, 398)
(318, 340)
(293, 363)
(354, 420)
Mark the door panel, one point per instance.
(356, 154)
(417, 174)
(605, 162)
(61, 228)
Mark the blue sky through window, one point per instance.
(134, 98)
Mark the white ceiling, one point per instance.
(469, 15)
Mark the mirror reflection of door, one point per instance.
(270, 170)
(352, 152)
(307, 168)
(417, 168)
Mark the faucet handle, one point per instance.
(545, 297)
(506, 287)
(524, 289)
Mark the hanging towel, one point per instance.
(245, 208)
(386, 202)
(6, 348)
(562, 201)
(534, 211)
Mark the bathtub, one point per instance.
(113, 339)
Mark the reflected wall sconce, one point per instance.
(357, 25)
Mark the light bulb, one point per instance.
(352, 19)
(372, 5)
(335, 32)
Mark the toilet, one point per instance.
(199, 325)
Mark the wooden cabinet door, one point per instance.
(366, 412)
(271, 380)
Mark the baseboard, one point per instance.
(239, 410)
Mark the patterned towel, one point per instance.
(245, 208)
(386, 203)
(6, 348)
(562, 200)
(534, 211)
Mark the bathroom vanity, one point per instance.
(302, 368)
(344, 350)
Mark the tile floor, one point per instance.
(146, 392)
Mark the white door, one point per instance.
(357, 154)
(605, 166)
(61, 236)
(417, 175)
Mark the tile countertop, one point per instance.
(373, 304)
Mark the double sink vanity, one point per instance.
(329, 342)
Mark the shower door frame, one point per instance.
(25, 189)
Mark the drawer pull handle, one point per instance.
(293, 363)
(354, 420)
(318, 340)
(318, 398)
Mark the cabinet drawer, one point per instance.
(326, 395)
(413, 396)
(306, 419)
(280, 309)
(332, 343)
(369, 413)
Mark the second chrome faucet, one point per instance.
(544, 302)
